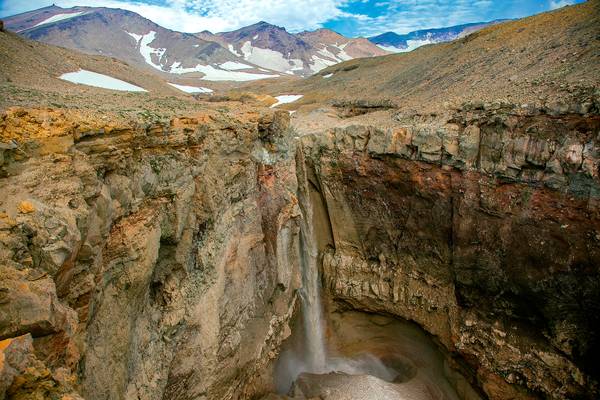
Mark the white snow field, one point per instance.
(214, 74)
(227, 71)
(234, 65)
(98, 80)
(286, 98)
(318, 63)
(271, 59)
(58, 17)
(146, 51)
(233, 51)
(191, 89)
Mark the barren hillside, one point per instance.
(541, 59)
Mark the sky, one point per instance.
(351, 18)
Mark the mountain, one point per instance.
(305, 53)
(254, 52)
(269, 46)
(136, 40)
(396, 43)
(332, 45)
(544, 59)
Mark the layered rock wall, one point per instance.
(162, 261)
(155, 262)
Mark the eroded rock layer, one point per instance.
(154, 262)
(483, 227)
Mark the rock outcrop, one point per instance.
(483, 227)
(154, 262)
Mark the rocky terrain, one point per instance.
(159, 250)
(481, 226)
(548, 60)
(36, 65)
(133, 39)
(297, 54)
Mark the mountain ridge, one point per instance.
(257, 51)
(395, 42)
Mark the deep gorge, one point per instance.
(169, 261)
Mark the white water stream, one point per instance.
(316, 354)
(315, 358)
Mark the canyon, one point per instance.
(381, 230)
(166, 262)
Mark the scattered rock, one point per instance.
(26, 207)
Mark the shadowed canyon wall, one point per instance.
(483, 228)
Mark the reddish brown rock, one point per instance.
(482, 228)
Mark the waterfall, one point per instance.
(315, 356)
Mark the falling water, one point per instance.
(310, 355)
(315, 357)
(315, 354)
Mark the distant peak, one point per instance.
(51, 7)
(322, 32)
(265, 25)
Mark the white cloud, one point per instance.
(410, 15)
(212, 15)
(560, 3)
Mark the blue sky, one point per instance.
(348, 17)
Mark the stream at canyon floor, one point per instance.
(368, 357)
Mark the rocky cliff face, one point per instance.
(155, 262)
(162, 261)
(481, 226)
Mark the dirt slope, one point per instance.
(546, 58)
(38, 65)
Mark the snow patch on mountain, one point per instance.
(191, 89)
(233, 65)
(215, 74)
(135, 36)
(342, 55)
(411, 45)
(318, 63)
(326, 53)
(270, 59)
(99, 80)
(286, 98)
(233, 51)
(59, 17)
(330, 58)
(147, 51)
